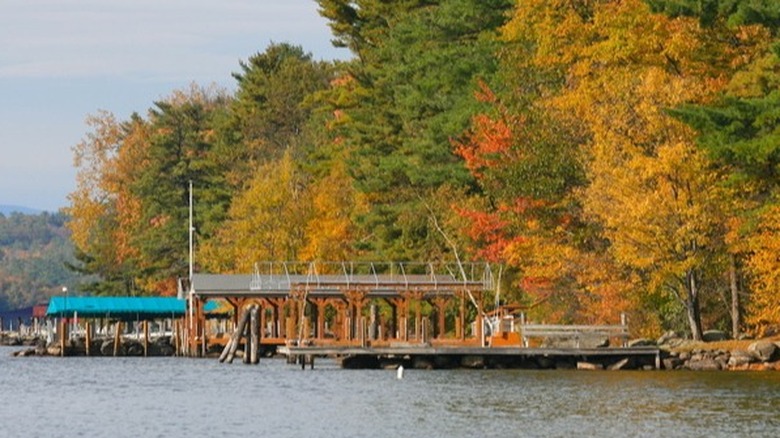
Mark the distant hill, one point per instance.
(35, 250)
(5, 210)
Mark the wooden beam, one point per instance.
(230, 349)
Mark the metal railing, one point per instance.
(329, 275)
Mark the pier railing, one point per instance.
(322, 276)
(576, 333)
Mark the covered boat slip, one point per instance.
(125, 308)
(346, 304)
(101, 316)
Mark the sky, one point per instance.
(62, 60)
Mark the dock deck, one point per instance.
(477, 357)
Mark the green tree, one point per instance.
(271, 109)
(181, 150)
(34, 255)
(416, 66)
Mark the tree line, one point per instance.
(612, 156)
(35, 253)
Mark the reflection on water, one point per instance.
(199, 397)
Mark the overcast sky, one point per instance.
(61, 60)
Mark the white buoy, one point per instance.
(400, 372)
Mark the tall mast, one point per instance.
(192, 288)
(191, 230)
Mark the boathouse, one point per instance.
(346, 304)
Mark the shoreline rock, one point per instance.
(158, 347)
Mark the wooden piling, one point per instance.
(88, 336)
(226, 350)
(146, 338)
(117, 337)
(362, 331)
(175, 338)
(234, 340)
(247, 338)
(63, 336)
(254, 332)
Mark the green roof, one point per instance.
(118, 307)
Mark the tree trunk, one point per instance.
(692, 306)
(733, 284)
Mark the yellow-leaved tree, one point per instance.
(616, 68)
(764, 310)
(266, 222)
(330, 230)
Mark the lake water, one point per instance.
(172, 397)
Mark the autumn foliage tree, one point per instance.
(739, 131)
(613, 156)
(103, 211)
(608, 71)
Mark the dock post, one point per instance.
(63, 336)
(254, 336)
(117, 329)
(522, 330)
(146, 338)
(246, 359)
(624, 323)
(175, 337)
(203, 349)
(362, 331)
(88, 336)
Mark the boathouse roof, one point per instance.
(117, 307)
(259, 285)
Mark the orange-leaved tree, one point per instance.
(103, 211)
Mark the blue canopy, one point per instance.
(119, 307)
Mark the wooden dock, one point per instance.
(427, 357)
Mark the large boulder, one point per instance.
(641, 342)
(714, 336)
(107, 348)
(668, 337)
(703, 365)
(740, 359)
(763, 350)
(672, 363)
(133, 348)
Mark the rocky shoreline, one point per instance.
(160, 346)
(754, 355)
(677, 353)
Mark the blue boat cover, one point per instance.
(119, 307)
